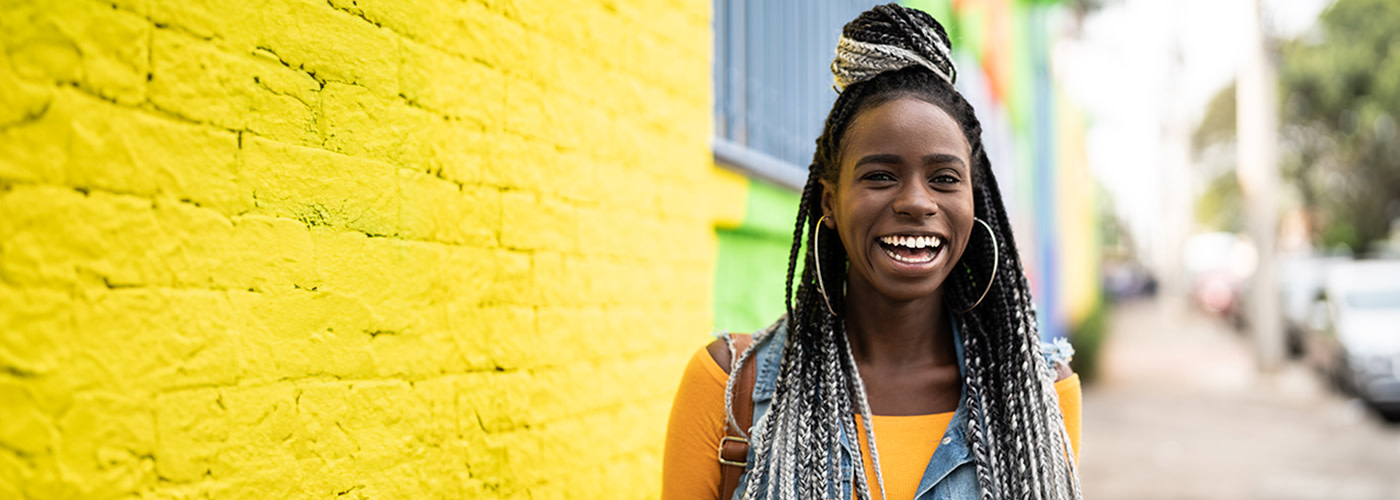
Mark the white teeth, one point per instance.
(913, 241)
(908, 260)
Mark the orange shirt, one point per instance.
(690, 469)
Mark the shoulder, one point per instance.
(1062, 371)
(719, 350)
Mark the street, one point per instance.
(1180, 412)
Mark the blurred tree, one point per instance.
(1219, 204)
(1340, 86)
(1341, 91)
(1219, 207)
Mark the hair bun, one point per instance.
(889, 38)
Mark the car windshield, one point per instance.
(1374, 299)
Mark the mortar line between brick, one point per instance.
(233, 218)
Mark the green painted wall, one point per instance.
(752, 264)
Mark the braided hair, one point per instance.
(1015, 429)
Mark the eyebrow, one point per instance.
(933, 159)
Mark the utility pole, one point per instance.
(1256, 95)
(1175, 172)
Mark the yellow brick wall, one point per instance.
(349, 248)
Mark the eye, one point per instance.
(944, 179)
(878, 176)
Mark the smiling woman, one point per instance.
(911, 336)
(903, 195)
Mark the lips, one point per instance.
(911, 249)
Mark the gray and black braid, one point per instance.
(1015, 429)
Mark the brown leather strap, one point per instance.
(734, 447)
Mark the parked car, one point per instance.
(1218, 266)
(1354, 331)
(1299, 281)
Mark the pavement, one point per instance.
(1181, 412)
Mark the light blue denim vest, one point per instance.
(950, 474)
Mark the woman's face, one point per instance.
(903, 202)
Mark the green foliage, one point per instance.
(1341, 90)
(1220, 207)
(1087, 339)
(1218, 126)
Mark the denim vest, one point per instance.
(950, 474)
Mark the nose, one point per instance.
(915, 200)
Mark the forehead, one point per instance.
(905, 125)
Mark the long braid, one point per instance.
(1015, 431)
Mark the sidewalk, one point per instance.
(1181, 413)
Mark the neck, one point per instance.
(898, 334)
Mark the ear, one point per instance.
(828, 198)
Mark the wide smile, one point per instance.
(912, 252)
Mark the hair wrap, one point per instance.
(859, 60)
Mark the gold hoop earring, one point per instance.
(817, 256)
(996, 259)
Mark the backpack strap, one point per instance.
(734, 446)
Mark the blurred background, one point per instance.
(463, 248)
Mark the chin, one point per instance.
(908, 293)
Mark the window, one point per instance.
(772, 82)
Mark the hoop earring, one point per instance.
(996, 259)
(817, 256)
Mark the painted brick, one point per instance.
(26, 428)
(109, 438)
(534, 112)
(232, 24)
(357, 122)
(202, 83)
(362, 249)
(582, 327)
(190, 428)
(311, 333)
(143, 320)
(209, 345)
(678, 27)
(320, 188)
(80, 42)
(458, 151)
(98, 243)
(467, 29)
(511, 283)
(93, 144)
(530, 222)
(440, 210)
(498, 337)
(261, 458)
(238, 258)
(121, 240)
(20, 101)
(30, 330)
(433, 79)
(332, 45)
(511, 160)
(464, 277)
(12, 476)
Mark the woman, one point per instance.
(912, 312)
